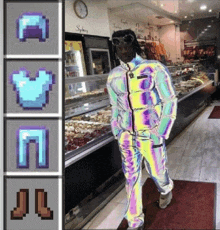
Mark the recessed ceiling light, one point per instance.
(210, 10)
(171, 21)
(162, 5)
(203, 7)
(206, 29)
(209, 25)
(185, 17)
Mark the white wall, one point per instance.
(117, 23)
(101, 22)
(170, 38)
(178, 44)
(96, 22)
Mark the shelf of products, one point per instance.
(187, 78)
(85, 131)
(74, 59)
(199, 50)
(85, 94)
(153, 50)
(88, 112)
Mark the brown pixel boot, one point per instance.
(41, 205)
(22, 205)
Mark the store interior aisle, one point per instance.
(193, 156)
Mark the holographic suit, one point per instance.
(144, 108)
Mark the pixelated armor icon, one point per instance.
(32, 25)
(37, 135)
(32, 93)
(22, 208)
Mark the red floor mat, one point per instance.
(215, 113)
(192, 207)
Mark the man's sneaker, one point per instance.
(137, 228)
(165, 200)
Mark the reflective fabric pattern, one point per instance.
(133, 150)
(147, 101)
(144, 107)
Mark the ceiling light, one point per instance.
(203, 7)
(175, 11)
(206, 29)
(189, 21)
(185, 17)
(210, 10)
(171, 21)
(209, 25)
(162, 5)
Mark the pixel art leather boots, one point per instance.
(23, 205)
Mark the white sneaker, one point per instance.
(137, 228)
(165, 200)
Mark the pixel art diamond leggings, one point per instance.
(133, 150)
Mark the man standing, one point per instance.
(144, 108)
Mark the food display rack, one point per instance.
(91, 165)
(95, 103)
(85, 104)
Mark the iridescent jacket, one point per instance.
(142, 97)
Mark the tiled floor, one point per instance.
(193, 156)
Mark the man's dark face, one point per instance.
(124, 47)
(125, 52)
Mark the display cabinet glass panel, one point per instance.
(100, 61)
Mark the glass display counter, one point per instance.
(88, 112)
(92, 157)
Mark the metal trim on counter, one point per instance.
(82, 111)
(182, 76)
(195, 90)
(85, 78)
(87, 149)
(90, 100)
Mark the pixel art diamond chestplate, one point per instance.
(32, 25)
(32, 93)
(37, 135)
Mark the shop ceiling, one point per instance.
(168, 11)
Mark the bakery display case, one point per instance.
(188, 79)
(87, 128)
(194, 86)
(88, 112)
(85, 94)
(92, 156)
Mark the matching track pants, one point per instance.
(134, 149)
